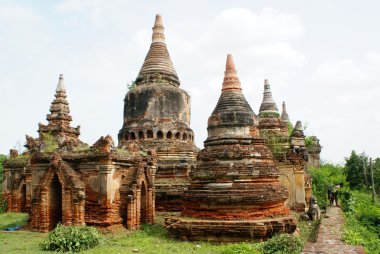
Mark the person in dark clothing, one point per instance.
(330, 194)
(335, 194)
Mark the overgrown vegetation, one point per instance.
(269, 114)
(277, 143)
(309, 141)
(362, 212)
(290, 128)
(82, 148)
(49, 143)
(283, 244)
(158, 78)
(123, 152)
(72, 238)
(308, 230)
(362, 220)
(326, 177)
(131, 85)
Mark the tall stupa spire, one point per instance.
(158, 30)
(59, 118)
(231, 80)
(284, 114)
(59, 109)
(268, 105)
(157, 66)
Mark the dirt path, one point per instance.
(329, 235)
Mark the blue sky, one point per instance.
(321, 57)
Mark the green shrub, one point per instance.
(72, 238)
(283, 244)
(362, 208)
(309, 141)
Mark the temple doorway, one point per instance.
(55, 202)
(143, 204)
(23, 198)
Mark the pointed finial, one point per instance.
(158, 30)
(284, 114)
(230, 65)
(61, 84)
(231, 80)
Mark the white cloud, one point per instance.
(243, 27)
(16, 14)
(101, 49)
(261, 45)
(100, 13)
(347, 92)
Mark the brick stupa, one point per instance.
(291, 163)
(235, 194)
(270, 121)
(157, 116)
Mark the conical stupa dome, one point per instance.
(268, 105)
(232, 108)
(158, 65)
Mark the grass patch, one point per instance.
(150, 239)
(13, 219)
(21, 241)
(308, 230)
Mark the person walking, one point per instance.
(335, 193)
(330, 193)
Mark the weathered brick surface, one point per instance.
(228, 230)
(235, 193)
(329, 240)
(157, 116)
(61, 179)
(289, 151)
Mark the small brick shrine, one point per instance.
(61, 179)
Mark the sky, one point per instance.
(321, 57)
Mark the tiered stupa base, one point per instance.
(169, 194)
(191, 229)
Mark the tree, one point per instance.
(376, 174)
(356, 166)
